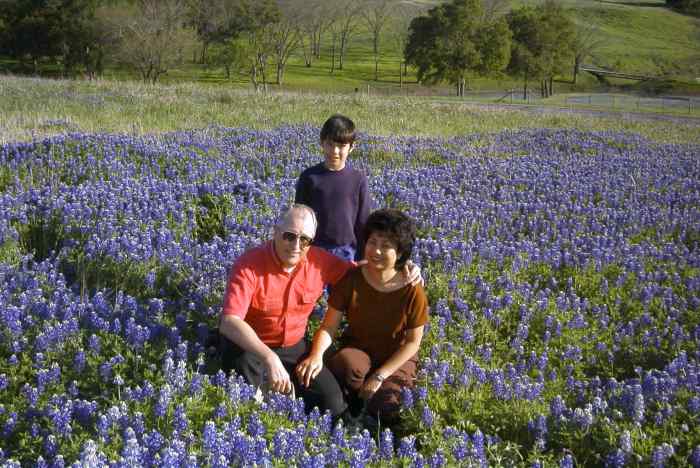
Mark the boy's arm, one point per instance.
(364, 206)
(302, 195)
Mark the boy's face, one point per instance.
(336, 154)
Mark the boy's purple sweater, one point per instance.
(341, 202)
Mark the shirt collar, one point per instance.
(276, 261)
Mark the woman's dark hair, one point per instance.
(396, 226)
(339, 129)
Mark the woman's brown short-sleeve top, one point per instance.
(377, 321)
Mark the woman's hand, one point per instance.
(308, 369)
(370, 387)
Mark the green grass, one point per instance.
(32, 107)
(643, 37)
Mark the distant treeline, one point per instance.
(451, 42)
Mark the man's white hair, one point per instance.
(289, 213)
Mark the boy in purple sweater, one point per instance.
(337, 192)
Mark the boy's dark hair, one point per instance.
(398, 227)
(339, 129)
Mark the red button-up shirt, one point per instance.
(275, 303)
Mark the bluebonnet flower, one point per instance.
(427, 417)
(255, 426)
(90, 456)
(180, 420)
(50, 446)
(695, 457)
(94, 344)
(9, 426)
(616, 459)
(479, 448)
(538, 429)
(407, 448)
(638, 408)
(437, 459)
(567, 461)
(386, 445)
(661, 454)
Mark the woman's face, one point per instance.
(381, 251)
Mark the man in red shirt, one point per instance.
(270, 294)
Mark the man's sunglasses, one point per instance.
(304, 241)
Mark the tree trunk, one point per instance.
(577, 64)
(317, 43)
(203, 57)
(280, 71)
(400, 74)
(333, 54)
(308, 53)
(525, 87)
(375, 48)
(551, 85)
(343, 45)
(254, 76)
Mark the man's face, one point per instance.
(335, 154)
(292, 238)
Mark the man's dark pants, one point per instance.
(323, 392)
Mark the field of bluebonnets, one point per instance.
(563, 270)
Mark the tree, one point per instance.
(401, 21)
(286, 37)
(59, 30)
(559, 32)
(315, 20)
(376, 14)
(454, 41)
(211, 20)
(348, 20)
(257, 22)
(153, 37)
(585, 41)
(543, 42)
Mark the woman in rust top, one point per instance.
(385, 316)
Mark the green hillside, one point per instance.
(642, 37)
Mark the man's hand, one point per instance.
(411, 272)
(369, 388)
(308, 369)
(277, 375)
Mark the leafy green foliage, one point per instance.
(455, 40)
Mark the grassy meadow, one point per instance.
(33, 108)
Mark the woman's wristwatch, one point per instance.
(379, 377)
